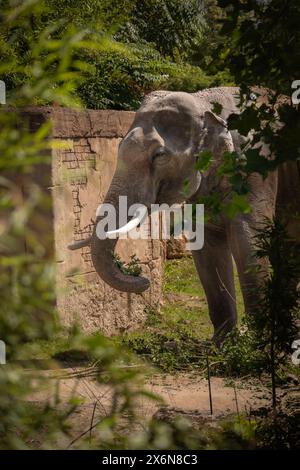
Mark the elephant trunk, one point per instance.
(102, 252)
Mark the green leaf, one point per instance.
(203, 160)
(238, 204)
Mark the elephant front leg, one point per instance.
(215, 269)
(251, 271)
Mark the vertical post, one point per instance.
(209, 385)
(2, 92)
(272, 354)
(236, 401)
(2, 352)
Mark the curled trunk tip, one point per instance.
(107, 269)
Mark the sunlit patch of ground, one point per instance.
(185, 392)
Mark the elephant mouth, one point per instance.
(160, 189)
(163, 195)
(167, 195)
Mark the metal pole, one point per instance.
(209, 385)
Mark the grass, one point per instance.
(176, 337)
(44, 349)
(181, 277)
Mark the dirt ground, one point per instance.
(183, 392)
(186, 392)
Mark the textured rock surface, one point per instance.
(81, 173)
(176, 248)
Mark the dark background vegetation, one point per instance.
(107, 54)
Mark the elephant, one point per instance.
(155, 159)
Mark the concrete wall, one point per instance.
(83, 165)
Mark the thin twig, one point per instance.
(92, 420)
(85, 432)
(223, 285)
(236, 400)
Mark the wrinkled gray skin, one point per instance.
(155, 158)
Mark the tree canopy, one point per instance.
(150, 44)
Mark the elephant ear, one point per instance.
(212, 121)
(218, 139)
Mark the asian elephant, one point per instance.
(155, 159)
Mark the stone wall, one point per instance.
(176, 248)
(83, 164)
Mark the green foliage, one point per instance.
(276, 326)
(211, 38)
(132, 267)
(281, 433)
(21, 422)
(120, 81)
(39, 66)
(233, 201)
(183, 434)
(114, 74)
(95, 15)
(27, 300)
(176, 337)
(169, 350)
(265, 343)
(27, 279)
(237, 433)
(51, 56)
(248, 35)
(26, 275)
(241, 355)
(254, 28)
(230, 203)
(279, 308)
(52, 41)
(204, 160)
(259, 36)
(172, 26)
(26, 269)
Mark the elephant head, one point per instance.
(155, 160)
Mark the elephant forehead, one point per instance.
(164, 129)
(140, 142)
(174, 100)
(174, 124)
(139, 136)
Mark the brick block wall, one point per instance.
(83, 165)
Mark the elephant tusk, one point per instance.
(80, 244)
(140, 213)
